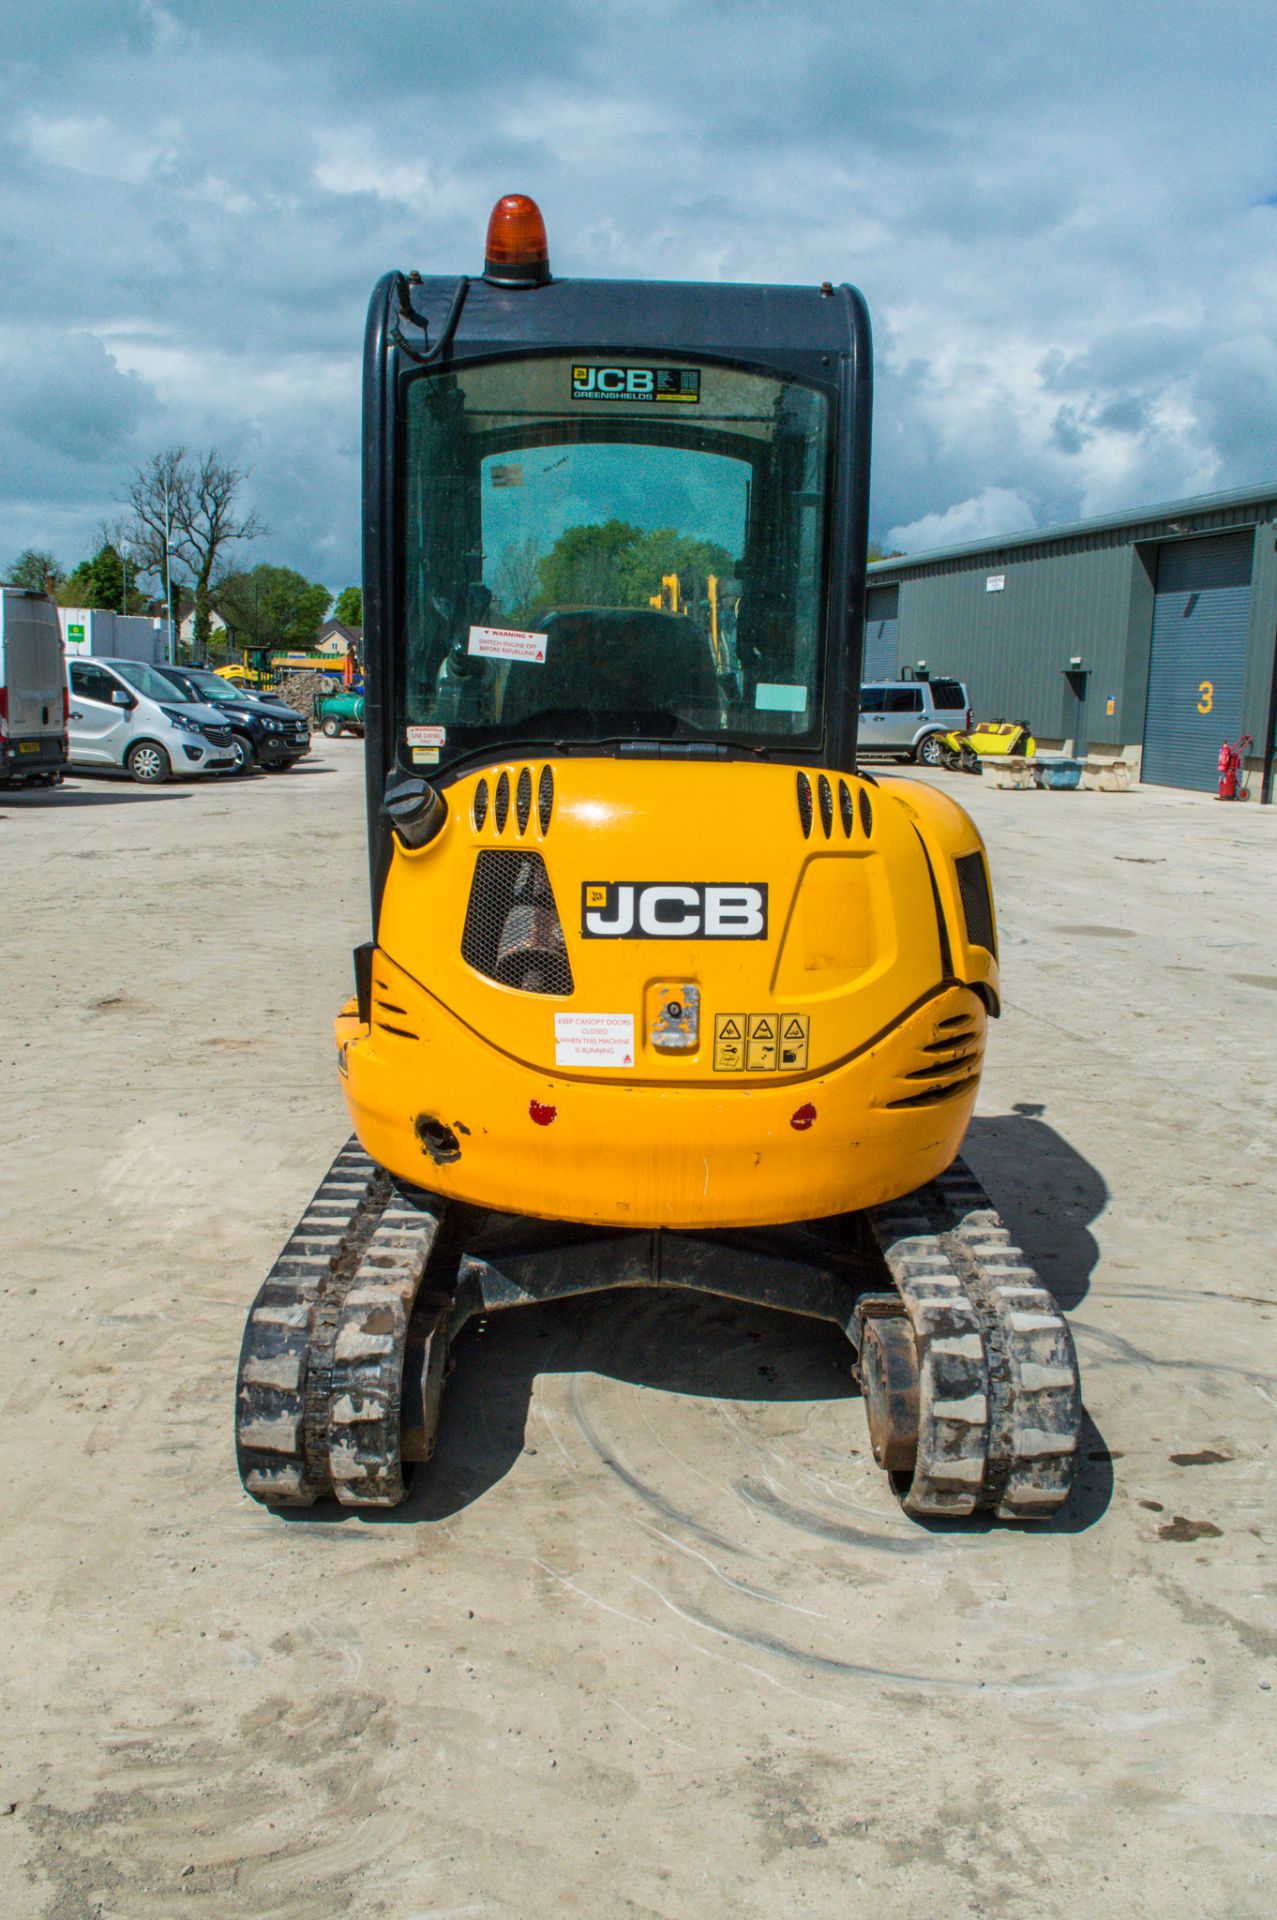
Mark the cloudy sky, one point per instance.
(1064, 218)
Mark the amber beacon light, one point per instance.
(517, 254)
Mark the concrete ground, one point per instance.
(652, 1638)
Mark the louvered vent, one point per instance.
(826, 796)
(845, 807)
(545, 798)
(513, 932)
(523, 800)
(866, 813)
(501, 808)
(480, 805)
(977, 907)
(805, 809)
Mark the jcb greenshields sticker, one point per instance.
(677, 386)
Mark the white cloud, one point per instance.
(985, 515)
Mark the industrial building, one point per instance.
(1151, 635)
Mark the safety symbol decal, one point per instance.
(761, 1042)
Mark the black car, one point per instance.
(264, 733)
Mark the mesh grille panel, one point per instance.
(977, 908)
(513, 932)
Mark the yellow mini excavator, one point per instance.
(662, 989)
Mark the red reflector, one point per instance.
(66, 705)
(517, 253)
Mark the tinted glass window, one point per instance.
(947, 693)
(871, 699)
(598, 551)
(904, 700)
(93, 683)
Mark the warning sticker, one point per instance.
(425, 756)
(795, 1031)
(594, 1039)
(427, 736)
(760, 1054)
(761, 1042)
(507, 643)
(729, 1043)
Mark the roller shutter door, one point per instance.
(881, 623)
(1201, 614)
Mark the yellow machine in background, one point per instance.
(662, 990)
(991, 740)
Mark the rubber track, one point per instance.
(320, 1373)
(999, 1397)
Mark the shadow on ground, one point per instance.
(696, 1344)
(61, 797)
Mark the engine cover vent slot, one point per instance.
(806, 812)
(501, 809)
(826, 794)
(977, 906)
(845, 807)
(866, 813)
(513, 932)
(545, 798)
(480, 810)
(523, 799)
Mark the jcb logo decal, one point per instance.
(680, 385)
(655, 910)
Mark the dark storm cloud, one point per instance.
(1059, 216)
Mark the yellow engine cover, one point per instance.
(756, 1011)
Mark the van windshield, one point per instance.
(598, 552)
(150, 682)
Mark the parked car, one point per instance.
(124, 713)
(906, 718)
(33, 703)
(264, 733)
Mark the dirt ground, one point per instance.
(651, 1637)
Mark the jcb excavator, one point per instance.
(662, 990)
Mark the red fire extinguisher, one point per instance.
(1234, 783)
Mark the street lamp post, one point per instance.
(171, 654)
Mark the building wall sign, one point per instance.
(995, 582)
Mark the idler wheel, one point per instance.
(889, 1383)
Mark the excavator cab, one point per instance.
(662, 989)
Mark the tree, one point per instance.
(273, 607)
(350, 607)
(36, 570)
(614, 564)
(515, 583)
(877, 553)
(100, 582)
(190, 503)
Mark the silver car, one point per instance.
(907, 717)
(125, 714)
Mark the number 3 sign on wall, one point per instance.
(1205, 696)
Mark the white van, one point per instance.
(126, 714)
(33, 722)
